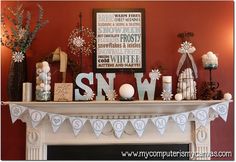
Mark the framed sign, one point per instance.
(120, 44)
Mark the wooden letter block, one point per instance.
(63, 92)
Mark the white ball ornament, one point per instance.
(227, 96)
(46, 69)
(45, 63)
(47, 87)
(42, 85)
(178, 97)
(126, 91)
(43, 76)
(39, 70)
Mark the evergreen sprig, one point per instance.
(20, 36)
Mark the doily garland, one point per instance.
(155, 74)
(111, 95)
(166, 95)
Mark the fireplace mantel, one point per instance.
(197, 136)
(118, 107)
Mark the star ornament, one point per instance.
(155, 74)
(18, 56)
(166, 95)
(111, 95)
(186, 47)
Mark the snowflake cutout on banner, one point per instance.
(89, 95)
(18, 56)
(111, 95)
(81, 41)
(166, 95)
(186, 47)
(155, 74)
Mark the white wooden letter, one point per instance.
(83, 86)
(145, 86)
(103, 85)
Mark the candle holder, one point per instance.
(212, 84)
(210, 89)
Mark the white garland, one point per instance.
(201, 115)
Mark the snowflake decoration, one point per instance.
(81, 41)
(78, 42)
(111, 95)
(155, 74)
(21, 33)
(166, 95)
(89, 95)
(18, 56)
(186, 47)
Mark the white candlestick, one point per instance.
(27, 92)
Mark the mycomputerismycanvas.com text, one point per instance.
(174, 154)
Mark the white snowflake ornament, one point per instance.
(166, 95)
(18, 56)
(78, 42)
(111, 95)
(186, 47)
(89, 95)
(155, 74)
(21, 33)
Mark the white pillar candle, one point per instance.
(167, 83)
(27, 92)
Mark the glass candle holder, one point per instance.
(167, 83)
(43, 81)
(27, 92)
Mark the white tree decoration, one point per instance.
(111, 95)
(155, 74)
(166, 95)
(18, 56)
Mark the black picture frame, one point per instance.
(141, 51)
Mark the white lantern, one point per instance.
(126, 91)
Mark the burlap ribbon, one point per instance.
(59, 55)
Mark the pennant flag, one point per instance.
(181, 119)
(36, 116)
(16, 111)
(56, 121)
(139, 125)
(222, 110)
(77, 123)
(98, 125)
(118, 126)
(160, 123)
(202, 115)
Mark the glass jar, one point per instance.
(43, 82)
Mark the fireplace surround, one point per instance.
(40, 138)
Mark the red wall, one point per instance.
(211, 22)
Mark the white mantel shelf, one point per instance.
(118, 107)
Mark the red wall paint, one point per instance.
(212, 23)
